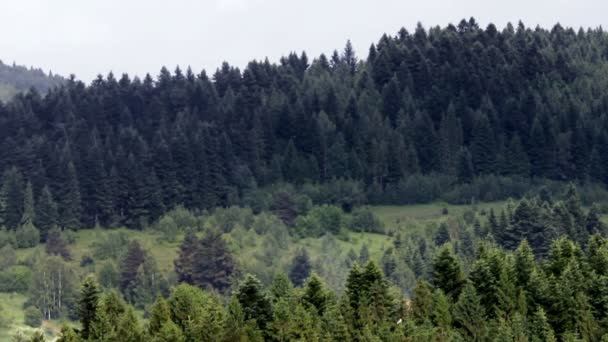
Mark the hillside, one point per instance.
(448, 185)
(458, 113)
(16, 79)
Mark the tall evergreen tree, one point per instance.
(447, 273)
(87, 305)
(46, 217)
(300, 268)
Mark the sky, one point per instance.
(91, 37)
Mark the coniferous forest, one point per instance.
(227, 206)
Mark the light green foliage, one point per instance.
(364, 220)
(321, 220)
(168, 228)
(27, 236)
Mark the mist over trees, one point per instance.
(16, 78)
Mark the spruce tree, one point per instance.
(447, 274)
(13, 197)
(256, 305)
(465, 171)
(469, 314)
(46, 213)
(132, 261)
(184, 264)
(214, 264)
(315, 294)
(483, 146)
(70, 207)
(300, 268)
(88, 302)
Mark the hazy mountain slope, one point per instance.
(16, 78)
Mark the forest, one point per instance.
(17, 78)
(448, 185)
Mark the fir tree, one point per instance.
(301, 268)
(46, 213)
(447, 274)
(184, 264)
(214, 264)
(87, 305)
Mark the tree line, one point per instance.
(453, 104)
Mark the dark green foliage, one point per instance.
(88, 302)
(442, 235)
(185, 260)
(469, 316)
(37, 337)
(33, 317)
(46, 213)
(214, 264)
(315, 294)
(13, 197)
(254, 302)
(120, 152)
(447, 273)
(70, 213)
(300, 268)
(129, 267)
(56, 245)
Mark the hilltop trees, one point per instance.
(123, 150)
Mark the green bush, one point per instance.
(168, 228)
(33, 317)
(113, 245)
(364, 220)
(320, 220)
(108, 275)
(183, 218)
(27, 236)
(15, 279)
(7, 237)
(227, 218)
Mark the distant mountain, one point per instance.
(16, 78)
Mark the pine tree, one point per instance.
(87, 305)
(184, 264)
(132, 261)
(593, 224)
(315, 294)
(422, 302)
(214, 264)
(483, 146)
(301, 268)
(254, 302)
(468, 314)
(160, 315)
(13, 197)
(46, 213)
(465, 171)
(442, 235)
(70, 208)
(447, 274)
(28, 206)
(451, 140)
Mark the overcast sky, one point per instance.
(88, 37)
